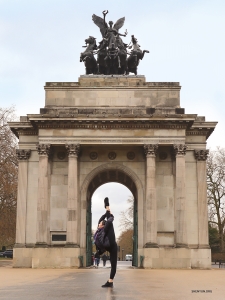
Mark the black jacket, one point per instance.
(109, 229)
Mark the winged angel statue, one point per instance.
(112, 53)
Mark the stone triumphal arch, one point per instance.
(103, 129)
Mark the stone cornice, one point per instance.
(107, 125)
(27, 132)
(109, 82)
(107, 140)
(185, 122)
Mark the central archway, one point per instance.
(112, 173)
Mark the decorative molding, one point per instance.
(44, 149)
(25, 132)
(111, 126)
(116, 140)
(150, 149)
(73, 149)
(23, 154)
(198, 132)
(179, 149)
(201, 154)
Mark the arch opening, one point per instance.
(100, 179)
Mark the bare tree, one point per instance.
(216, 191)
(126, 216)
(125, 242)
(8, 178)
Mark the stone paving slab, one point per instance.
(132, 284)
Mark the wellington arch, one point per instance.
(112, 129)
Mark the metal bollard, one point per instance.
(81, 261)
(141, 261)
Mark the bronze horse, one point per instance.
(135, 56)
(88, 56)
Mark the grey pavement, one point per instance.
(129, 283)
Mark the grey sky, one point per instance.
(41, 41)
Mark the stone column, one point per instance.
(180, 197)
(43, 205)
(23, 157)
(203, 234)
(150, 200)
(72, 202)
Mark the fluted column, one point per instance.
(43, 205)
(180, 197)
(150, 201)
(23, 157)
(72, 202)
(203, 234)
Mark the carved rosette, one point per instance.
(112, 155)
(179, 149)
(201, 154)
(73, 149)
(23, 154)
(150, 149)
(43, 149)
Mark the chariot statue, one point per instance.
(113, 56)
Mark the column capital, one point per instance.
(150, 149)
(43, 149)
(179, 149)
(201, 154)
(23, 154)
(73, 150)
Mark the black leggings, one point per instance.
(113, 260)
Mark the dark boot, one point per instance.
(108, 284)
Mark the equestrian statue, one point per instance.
(113, 56)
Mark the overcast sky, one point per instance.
(41, 41)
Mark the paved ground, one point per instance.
(132, 284)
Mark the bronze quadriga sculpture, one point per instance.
(113, 56)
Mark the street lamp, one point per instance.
(122, 253)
